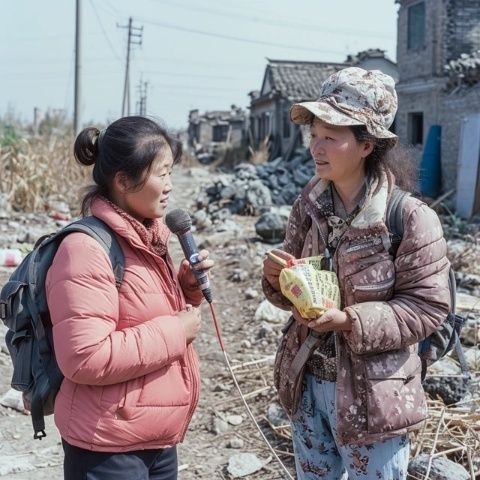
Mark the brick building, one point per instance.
(439, 74)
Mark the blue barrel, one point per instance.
(430, 165)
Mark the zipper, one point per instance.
(377, 286)
(195, 391)
(364, 244)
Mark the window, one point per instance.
(416, 26)
(415, 128)
(220, 133)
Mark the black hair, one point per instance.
(129, 145)
(389, 155)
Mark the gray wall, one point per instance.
(429, 60)
(455, 109)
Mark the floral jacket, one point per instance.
(393, 304)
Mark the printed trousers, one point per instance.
(317, 455)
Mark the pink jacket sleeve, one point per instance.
(84, 309)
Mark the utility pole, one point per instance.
(142, 103)
(78, 55)
(134, 38)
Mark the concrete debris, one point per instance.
(269, 313)
(250, 190)
(243, 464)
(464, 70)
(441, 468)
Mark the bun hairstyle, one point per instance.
(86, 146)
(129, 145)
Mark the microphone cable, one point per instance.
(250, 414)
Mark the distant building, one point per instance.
(286, 82)
(439, 67)
(218, 128)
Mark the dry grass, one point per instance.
(259, 155)
(452, 431)
(36, 169)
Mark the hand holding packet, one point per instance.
(311, 289)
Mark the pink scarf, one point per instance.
(153, 233)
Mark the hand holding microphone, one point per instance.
(179, 223)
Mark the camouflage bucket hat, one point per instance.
(353, 96)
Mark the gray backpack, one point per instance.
(24, 310)
(447, 335)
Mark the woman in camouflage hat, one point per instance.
(350, 379)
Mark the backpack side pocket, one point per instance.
(19, 338)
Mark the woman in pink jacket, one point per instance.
(131, 374)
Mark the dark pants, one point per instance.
(80, 464)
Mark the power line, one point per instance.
(108, 10)
(234, 38)
(276, 23)
(104, 32)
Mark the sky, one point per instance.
(195, 54)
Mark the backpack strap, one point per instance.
(394, 218)
(394, 223)
(100, 231)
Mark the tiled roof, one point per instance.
(299, 80)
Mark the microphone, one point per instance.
(179, 222)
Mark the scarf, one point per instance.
(152, 232)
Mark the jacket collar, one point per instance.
(373, 211)
(104, 211)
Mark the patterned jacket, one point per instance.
(393, 304)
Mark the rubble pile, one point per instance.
(251, 188)
(464, 71)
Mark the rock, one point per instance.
(230, 192)
(229, 226)
(258, 195)
(13, 399)
(243, 464)
(276, 415)
(269, 313)
(441, 469)
(5, 206)
(445, 366)
(251, 293)
(246, 344)
(239, 275)
(218, 426)
(221, 387)
(234, 419)
(265, 330)
(13, 464)
(471, 330)
(235, 443)
(201, 219)
(245, 171)
(449, 389)
(271, 227)
(472, 356)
